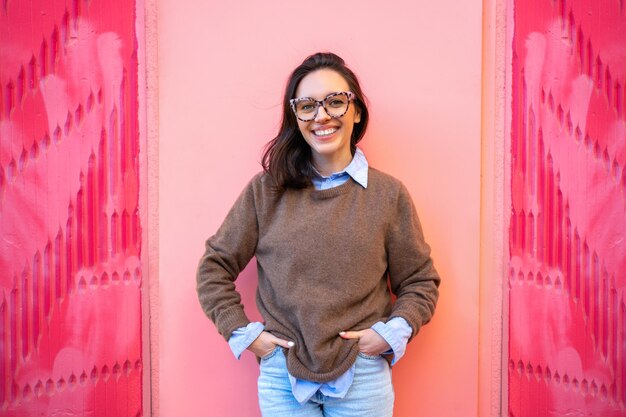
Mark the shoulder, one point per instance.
(261, 189)
(383, 182)
(389, 189)
(260, 181)
(255, 188)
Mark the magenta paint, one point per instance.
(567, 328)
(70, 223)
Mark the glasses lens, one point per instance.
(336, 105)
(305, 109)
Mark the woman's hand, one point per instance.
(370, 342)
(266, 343)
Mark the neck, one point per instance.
(329, 165)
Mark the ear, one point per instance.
(357, 114)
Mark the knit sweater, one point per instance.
(326, 260)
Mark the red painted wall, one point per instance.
(70, 232)
(567, 312)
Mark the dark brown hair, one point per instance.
(287, 157)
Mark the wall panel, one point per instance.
(70, 224)
(567, 323)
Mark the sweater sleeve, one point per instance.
(226, 254)
(412, 275)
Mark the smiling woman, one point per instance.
(329, 139)
(331, 236)
(329, 130)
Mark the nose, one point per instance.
(321, 114)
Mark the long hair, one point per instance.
(287, 157)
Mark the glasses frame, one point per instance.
(349, 94)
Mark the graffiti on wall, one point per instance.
(70, 232)
(567, 279)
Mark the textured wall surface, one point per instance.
(70, 232)
(567, 323)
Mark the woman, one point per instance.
(331, 235)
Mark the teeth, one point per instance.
(325, 132)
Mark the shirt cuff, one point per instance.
(396, 333)
(244, 336)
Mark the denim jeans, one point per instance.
(371, 393)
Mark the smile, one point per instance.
(325, 132)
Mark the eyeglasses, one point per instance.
(335, 104)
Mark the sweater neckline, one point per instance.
(332, 192)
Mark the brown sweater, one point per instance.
(323, 257)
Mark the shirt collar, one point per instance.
(357, 169)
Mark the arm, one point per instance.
(396, 333)
(226, 255)
(412, 276)
(256, 340)
(242, 338)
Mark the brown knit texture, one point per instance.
(325, 258)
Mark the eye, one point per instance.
(305, 106)
(336, 102)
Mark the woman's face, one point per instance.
(329, 138)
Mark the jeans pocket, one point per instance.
(369, 357)
(271, 354)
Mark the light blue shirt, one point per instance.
(396, 331)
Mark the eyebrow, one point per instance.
(326, 96)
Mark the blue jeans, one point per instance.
(371, 393)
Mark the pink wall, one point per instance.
(222, 68)
(567, 312)
(70, 247)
